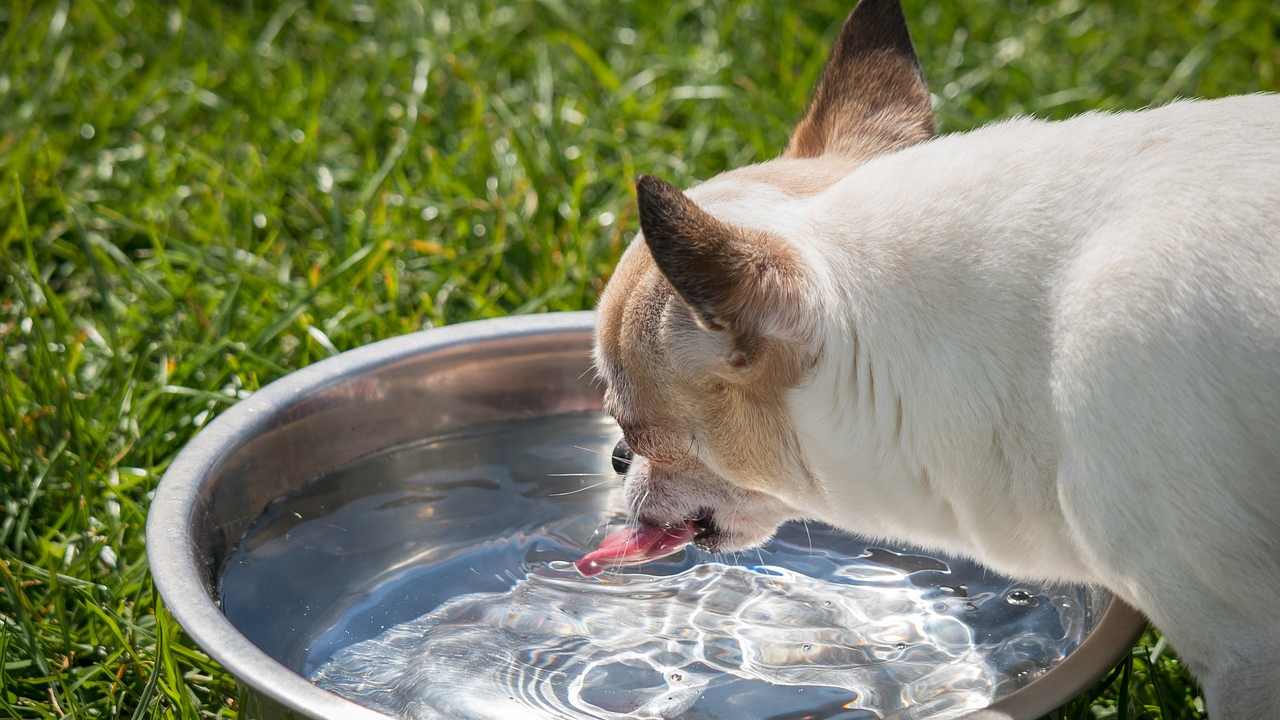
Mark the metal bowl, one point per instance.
(389, 394)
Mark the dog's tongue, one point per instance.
(635, 545)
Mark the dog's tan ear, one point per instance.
(872, 96)
(743, 281)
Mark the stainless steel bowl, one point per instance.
(388, 394)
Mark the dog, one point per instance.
(1052, 347)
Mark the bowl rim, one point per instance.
(176, 572)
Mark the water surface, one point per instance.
(435, 581)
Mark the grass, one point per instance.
(197, 197)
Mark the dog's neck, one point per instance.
(929, 418)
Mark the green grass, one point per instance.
(198, 197)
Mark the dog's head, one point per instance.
(713, 315)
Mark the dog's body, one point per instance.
(1074, 334)
(1049, 306)
(1054, 347)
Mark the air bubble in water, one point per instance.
(1021, 598)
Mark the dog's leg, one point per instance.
(1169, 478)
(1236, 660)
(1246, 682)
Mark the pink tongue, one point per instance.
(630, 546)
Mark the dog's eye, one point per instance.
(622, 457)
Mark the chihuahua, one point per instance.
(1052, 347)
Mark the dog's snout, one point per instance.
(622, 457)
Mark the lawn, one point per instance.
(199, 196)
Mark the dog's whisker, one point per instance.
(634, 519)
(592, 486)
(579, 474)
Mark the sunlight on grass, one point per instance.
(198, 197)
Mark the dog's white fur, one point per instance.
(1081, 321)
(1055, 347)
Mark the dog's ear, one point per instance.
(745, 282)
(872, 96)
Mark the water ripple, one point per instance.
(637, 645)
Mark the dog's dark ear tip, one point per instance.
(648, 184)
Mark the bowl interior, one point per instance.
(445, 480)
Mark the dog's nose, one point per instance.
(621, 457)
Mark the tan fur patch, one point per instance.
(800, 177)
(659, 404)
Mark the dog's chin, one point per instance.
(716, 532)
(722, 542)
(736, 536)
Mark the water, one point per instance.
(436, 582)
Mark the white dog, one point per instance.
(1050, 346)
